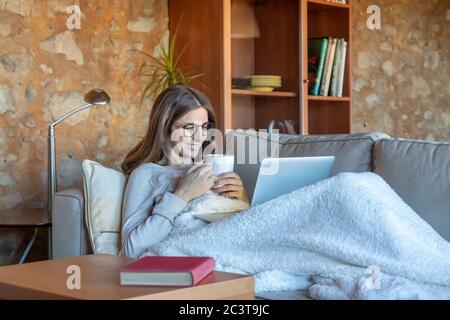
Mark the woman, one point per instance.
(163, 175)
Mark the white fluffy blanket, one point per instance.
(347, 237)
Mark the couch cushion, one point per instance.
(419, 172)
(353, 151)
(103, 193)
(69, 234)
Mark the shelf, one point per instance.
(322, 98)
(279, 94)
(284, 26)
(325, 5)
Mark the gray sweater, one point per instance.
(149, 207)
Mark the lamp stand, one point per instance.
(96, 97)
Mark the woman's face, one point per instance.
(188, 135)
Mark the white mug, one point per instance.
(221, 163)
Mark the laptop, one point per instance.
(278, 176)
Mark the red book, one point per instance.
(167, 271)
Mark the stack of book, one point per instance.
(326, 66)
(167, 271)
(241, 82)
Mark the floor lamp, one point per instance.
(96, 97)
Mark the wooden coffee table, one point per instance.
(100, 281)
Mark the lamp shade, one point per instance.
(243, 24)
(97, 97)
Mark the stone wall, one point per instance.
(401, 73)
(45, 69)
(401, 84)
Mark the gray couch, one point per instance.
(418, 171)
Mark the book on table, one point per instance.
(167, 271)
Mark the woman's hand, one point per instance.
(196, 182)
(230, 185)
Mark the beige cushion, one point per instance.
(103, 192)
(419, 172)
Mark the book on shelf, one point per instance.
(326, 78)
(344, 45)
(317, 50)
(241, 82)
(335, 70)
(167, 271)
(326, 66)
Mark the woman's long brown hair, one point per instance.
(172, 104)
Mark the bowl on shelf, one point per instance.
(263, 89)
(259, 83)
(265, 83)
(265, 76)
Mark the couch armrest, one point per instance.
(69, 234)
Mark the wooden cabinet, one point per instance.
(279, 47)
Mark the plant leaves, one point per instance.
(180, 55)
(163, 71)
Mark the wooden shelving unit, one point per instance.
(280, 49)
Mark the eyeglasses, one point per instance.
(190, 128)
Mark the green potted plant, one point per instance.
(164, 71)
